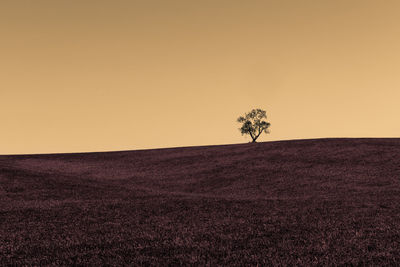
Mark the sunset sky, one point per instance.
(121, 75)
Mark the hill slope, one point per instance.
(304, 202)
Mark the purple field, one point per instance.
(302, 202)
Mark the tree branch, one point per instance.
(259, 132)
(252, 137)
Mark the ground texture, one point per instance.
(298, 203)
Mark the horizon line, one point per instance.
(189, 146)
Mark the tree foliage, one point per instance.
(253, 123)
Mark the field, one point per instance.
(297, 203)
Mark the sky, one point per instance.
(97, 75)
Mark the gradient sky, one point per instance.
(118, 75)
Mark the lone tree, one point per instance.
(253, 123)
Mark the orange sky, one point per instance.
(119, 75)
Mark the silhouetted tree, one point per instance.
(253, 123)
